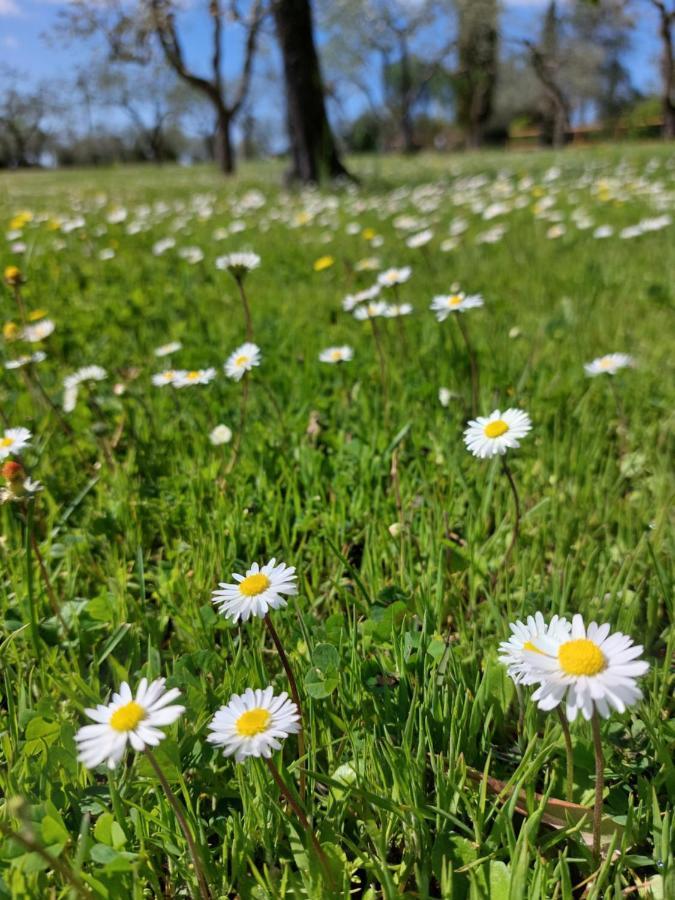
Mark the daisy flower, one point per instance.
(37, 332)
(444, 304)
(391, 277)
(168, 376)
(370, 310)
(512, 652)
(352, 300)
(589, 668)
(394, 310)
(136, 720)
(194, 376)
(25, 360)
(14, 440)
(242, 360)
(336, 354)
(420, 239)
(221, 434)
(168, 349)
(495, 434)
(254, 724)
(256, 592)
(608, 365)
(238, 264)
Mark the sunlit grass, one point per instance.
(393, 638)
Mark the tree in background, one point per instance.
(409, 42)
(476, 76)
(546, 59)
(23, 115)
(151, 99)
(128, 30)
(666, 14)
(314, 153)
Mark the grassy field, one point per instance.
(428, 774)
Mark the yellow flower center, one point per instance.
(496, 429)
(455, 300)
(6, 442)
(605, 362)
(127, 717)
(581, 657)
(252, 722)
(241, 360)
(253, 585)
(192, 375)
(336, 355)
(528, 645)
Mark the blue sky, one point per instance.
(28, 42)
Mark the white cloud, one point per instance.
(9, 8)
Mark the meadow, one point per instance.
(424, 771)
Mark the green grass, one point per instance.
(135, 538)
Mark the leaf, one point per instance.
(320, 684)
(53, 831)
(325, 657)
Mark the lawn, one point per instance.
(426, 771)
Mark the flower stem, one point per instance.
(569, 783)
(53, 862)
(34, 633)
(240, 432)
(302, 818)
(599, 786)
(516, 501)
(175, 805)
(294, 694)
(383, 363)
(473, 362)
(247, 309)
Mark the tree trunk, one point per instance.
(313, 150)
(223, 150)
(668, 70)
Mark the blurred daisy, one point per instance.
(194, 376)
(444, 304)
(392, 277)
(589, 668)
(127, 719)
(242, 360)
(221, 434)
(608, 365)
(168, 376)
(444, 396)
(168, 349)
(495, 434)
(238, 264)
(14, 440)
(368, 264)
(72, 382)
(370, 310)
(37, 332)
(336, 354)
(512, 652)
(352, 300)
(256, 592)
(254, 724)
(20, 361)
(421, 239)
(394, 310)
